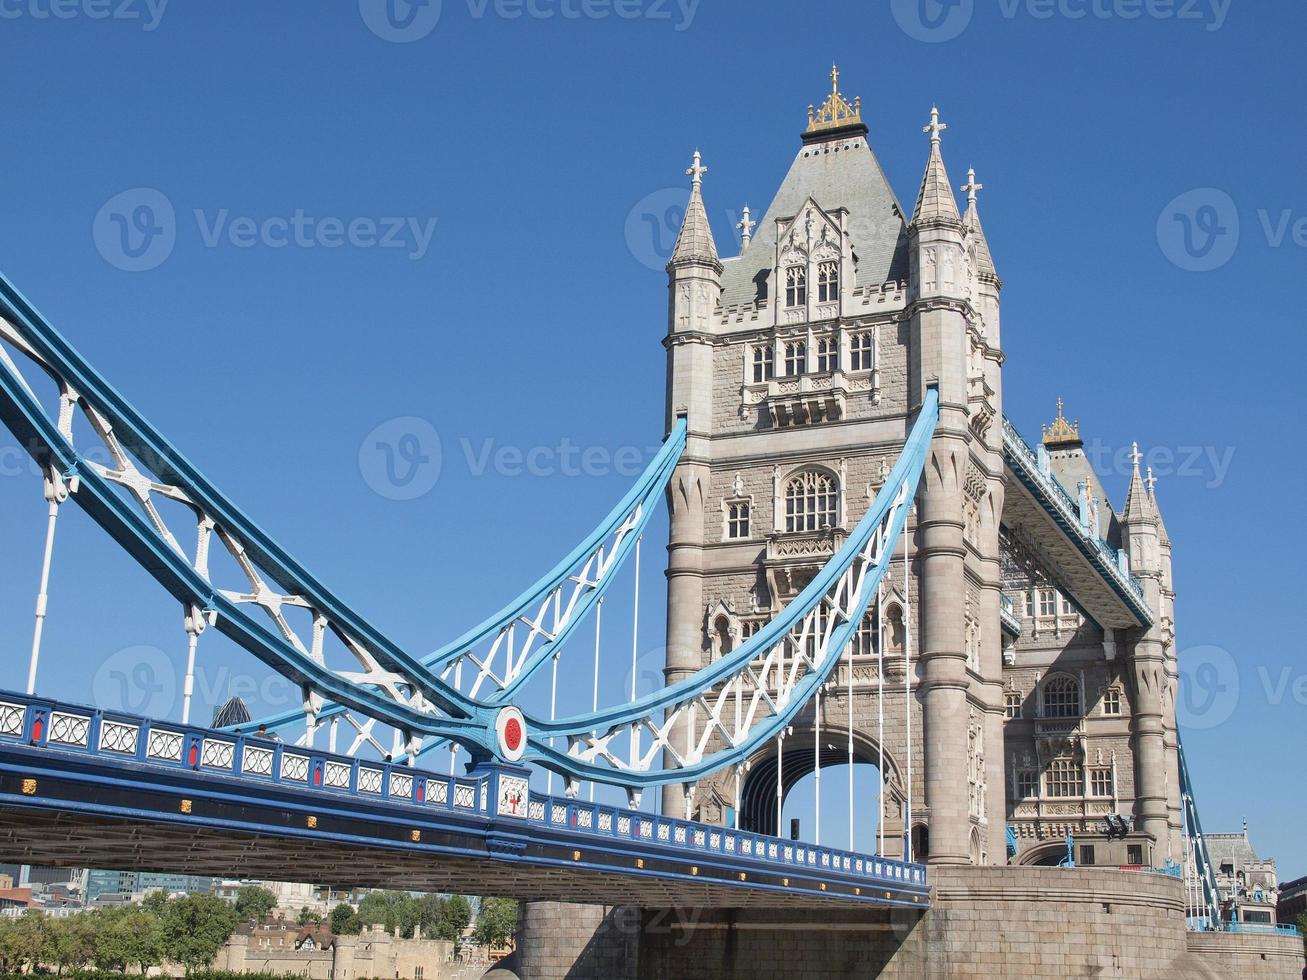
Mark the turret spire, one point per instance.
(1138, 500)
(695, 243)
(935, 201)
(984, 261)
(746, 226)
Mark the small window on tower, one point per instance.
(861, 357)
(764, 364)
(828, 282)
(1027, 784)
(1112, 701)
(737, 520)
(796, 286)
(1087, 854)
(1100, 782)
(1047, 602)
(1012, 704)
(796, 358)
(828, 355)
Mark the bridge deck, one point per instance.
(89, 788)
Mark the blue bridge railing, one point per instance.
(495, 792)
(1110, 561)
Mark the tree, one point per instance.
(69, 942)
(497, 921)
(127, 937)
(28, 940)
(392, 910)
(308, 917)
(194, 927)
(345, 921)
(253, 902)
(154, 902)
(455, 918)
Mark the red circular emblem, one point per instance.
(512, 734)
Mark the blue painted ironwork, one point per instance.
(1065, 511)
(1200, 867)
(45, 738)
(844, 588)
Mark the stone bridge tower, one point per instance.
(800, 364)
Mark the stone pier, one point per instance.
(1031, 923)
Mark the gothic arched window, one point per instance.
(796, 358)
(828, 282)
(796, 286)
(1062, 698)
(811, 502)
(828, 355)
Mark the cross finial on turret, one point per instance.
(1151, 481)
(697, 170)
(746, 226)
(936, 127)
(970, 188)
(1135, 455)
(834, 79)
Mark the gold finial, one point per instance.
(836, 110)
(1061, 431)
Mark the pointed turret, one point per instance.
(1139, 524)
(1138, 501)
(984, 261)
(935, 199)
(695, 245)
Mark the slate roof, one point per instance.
(841, 172)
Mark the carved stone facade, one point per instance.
(799, 365)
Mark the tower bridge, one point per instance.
(867, 565)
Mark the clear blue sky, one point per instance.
(529, 313)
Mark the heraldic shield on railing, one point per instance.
(465, 694)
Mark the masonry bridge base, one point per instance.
(1031, 923)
